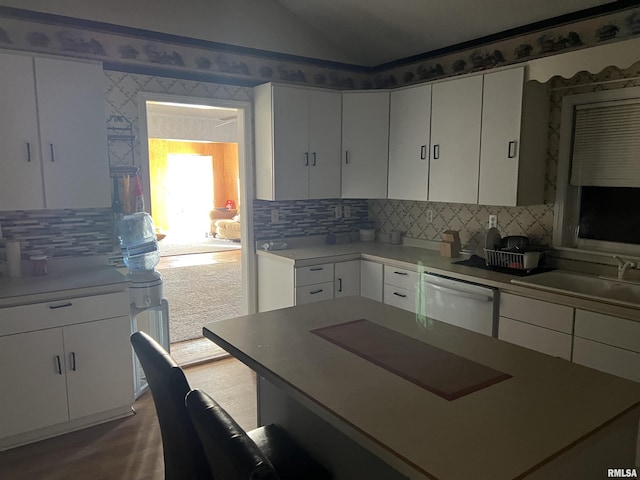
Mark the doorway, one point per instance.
(197, 166)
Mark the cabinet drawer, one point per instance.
(536, 312)
(606, 358)
(607, 329)
(314, 274)
(38, 316)
(401, 277)
(535, 338)
(400, 297)
(314, 293)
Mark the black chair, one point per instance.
(193, 436)
(184, 457)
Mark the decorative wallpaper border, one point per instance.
(151, 53)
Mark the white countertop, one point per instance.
(500, 431)
(430, 261)
(61, 285)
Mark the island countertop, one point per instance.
(505, 430)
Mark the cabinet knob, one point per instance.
(511, 149)
(401, 295)
(339, 285)
(316, 291)
(423, 152)
(28, 152)
(306, 159)
(314, 159)
(436, 152)
(53, 158)
(73, 361)
(346, 156)
(58, 365)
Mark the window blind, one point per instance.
(606, 144)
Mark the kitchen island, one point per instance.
(544, 418)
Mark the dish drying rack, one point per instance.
(516, 260)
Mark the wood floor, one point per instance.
(129, 448)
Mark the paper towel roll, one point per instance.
(14, 258)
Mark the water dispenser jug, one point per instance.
(138, 242)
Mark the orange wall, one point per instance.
(225, 173)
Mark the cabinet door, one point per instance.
(21, 178)
(99, 366)
(499, 153)
(371, 280)
(290, 143)
(365, 144)
(73, 133)
(325, 129)
(536, 338)
(456, 111)
(347, 278)
(34, 390)
(409, 130)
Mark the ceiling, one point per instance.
(380, 31)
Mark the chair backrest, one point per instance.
(184, 456)
(230, 451)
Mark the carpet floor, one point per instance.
(201, 294)
(170, 246)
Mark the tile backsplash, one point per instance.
(299, 218)
(412, 218)
(59, 233)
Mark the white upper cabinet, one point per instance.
(409, 131)
(514, 140)
(297, 142)
(21, 170)
(456, 115)
(56, 135)
(365, 144)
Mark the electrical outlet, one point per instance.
(429, 216)
(275, 216)
(346, 209)
(337, 210)
(493, 221)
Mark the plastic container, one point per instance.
(138, 243)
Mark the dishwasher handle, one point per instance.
(460, 293)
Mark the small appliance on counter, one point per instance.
(149, 311)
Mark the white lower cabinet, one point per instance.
(346, 278)
(607, 343)
(371, 280)
(281, 285)
(535, 324)
(401, 288)
(77, 372)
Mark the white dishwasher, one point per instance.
(464, 304)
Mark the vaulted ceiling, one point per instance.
(380, 31)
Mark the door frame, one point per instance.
(246, 172)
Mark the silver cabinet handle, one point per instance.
(53, 158)
(423, 152)
(511, 149)
(436, 152)
(306, 159)
(58, 365)
(400, 295)
(63, 305)
(28, 152)
(316, 291)
(73, 361)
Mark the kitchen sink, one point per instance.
(607, 289)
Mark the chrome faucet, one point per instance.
(624, 265)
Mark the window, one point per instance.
(598, 188)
